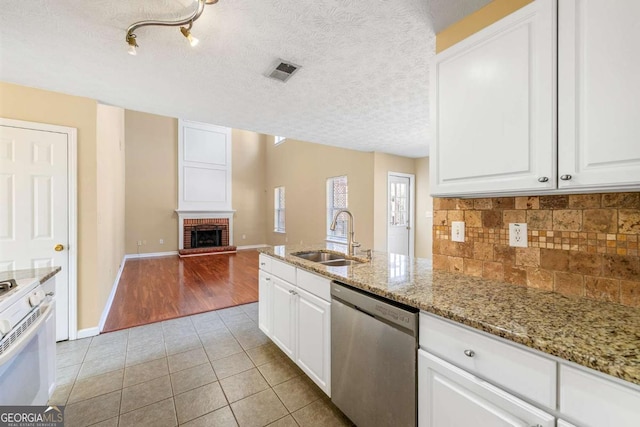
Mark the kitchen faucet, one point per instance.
(351, 242)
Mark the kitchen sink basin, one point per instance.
(317, 256)
(329, 259)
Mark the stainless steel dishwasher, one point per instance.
(374, 346)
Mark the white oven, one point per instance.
(27, 345)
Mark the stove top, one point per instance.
(7, 286)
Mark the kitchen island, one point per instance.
(598, 335)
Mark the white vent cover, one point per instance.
(283, 70)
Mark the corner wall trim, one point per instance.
(243, 248)
(88, 332)
(114, 288)
(150, 255)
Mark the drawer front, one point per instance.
(595, 401)
(285, 271)
(265, 263)
(520, 371)
(314, 284)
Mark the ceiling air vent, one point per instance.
(283, 71)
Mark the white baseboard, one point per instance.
(150, 255)
(114, 288)
(88, 332)
(243, 248)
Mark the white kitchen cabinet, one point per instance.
(313, 338)
(598, 94)
(284, 322)
(493, 107)
(265, 303)
(593, 400)
(451, 397)
(563, 423)
(294, 311)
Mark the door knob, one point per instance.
(58, 247)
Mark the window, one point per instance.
(278, 139)
(337, 199)
(278, 214)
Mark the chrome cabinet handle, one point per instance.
(50, 294)
(292, 292)
(262, 263)
(565, 177)
(268, 279)
(543, 179)
(469, 353)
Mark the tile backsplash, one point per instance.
(584, 245)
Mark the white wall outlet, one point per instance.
(457, 231)
(139, 242)
(518, 235)
(162, 241)
(244, 236)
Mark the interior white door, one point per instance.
(399, 215)
(34, 217)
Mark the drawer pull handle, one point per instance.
(469, 353)
(543, 179)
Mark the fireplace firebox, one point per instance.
(203, 236)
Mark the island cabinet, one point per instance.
(294, 310)
(468, 377)
(543, 101)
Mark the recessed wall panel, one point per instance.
(42, 207)
(205, 185)
(206, 147)
(7, 206)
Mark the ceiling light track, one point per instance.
(186, 31)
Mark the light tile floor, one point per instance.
(210, 369)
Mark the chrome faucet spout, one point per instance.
(351, 242)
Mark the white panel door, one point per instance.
(314, 339)
(34, 213)
(451, 397)
(599, 94)
(493, 108)
(283, 330)
(399, 215)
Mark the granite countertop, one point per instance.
(599, 335)
(42, 274)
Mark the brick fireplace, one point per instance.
(205, 233)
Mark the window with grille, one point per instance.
(337, 192)
(278, 214)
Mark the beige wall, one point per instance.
(151, 182)
(34, 105)
(303, 168)
(248, 170)
(478, 20)
(383, 164)
(424, 210)
(110, 198)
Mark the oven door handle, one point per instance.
(26, 337)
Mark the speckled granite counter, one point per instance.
(602, 336)
(42, 274)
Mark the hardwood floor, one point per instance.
(155, 289)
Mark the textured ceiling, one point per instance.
(363, 82)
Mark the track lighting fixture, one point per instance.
(186, 31)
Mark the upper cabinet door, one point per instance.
(599, 94)
(493, 108)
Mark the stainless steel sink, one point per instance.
(329, 259)
(318, 256)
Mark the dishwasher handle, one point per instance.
(399, 317)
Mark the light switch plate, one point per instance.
(457, 231)
(518, 235)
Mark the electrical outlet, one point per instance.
(244, 236)
(457, 231)
(518, 235)
(162, 241)
(139, 242)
